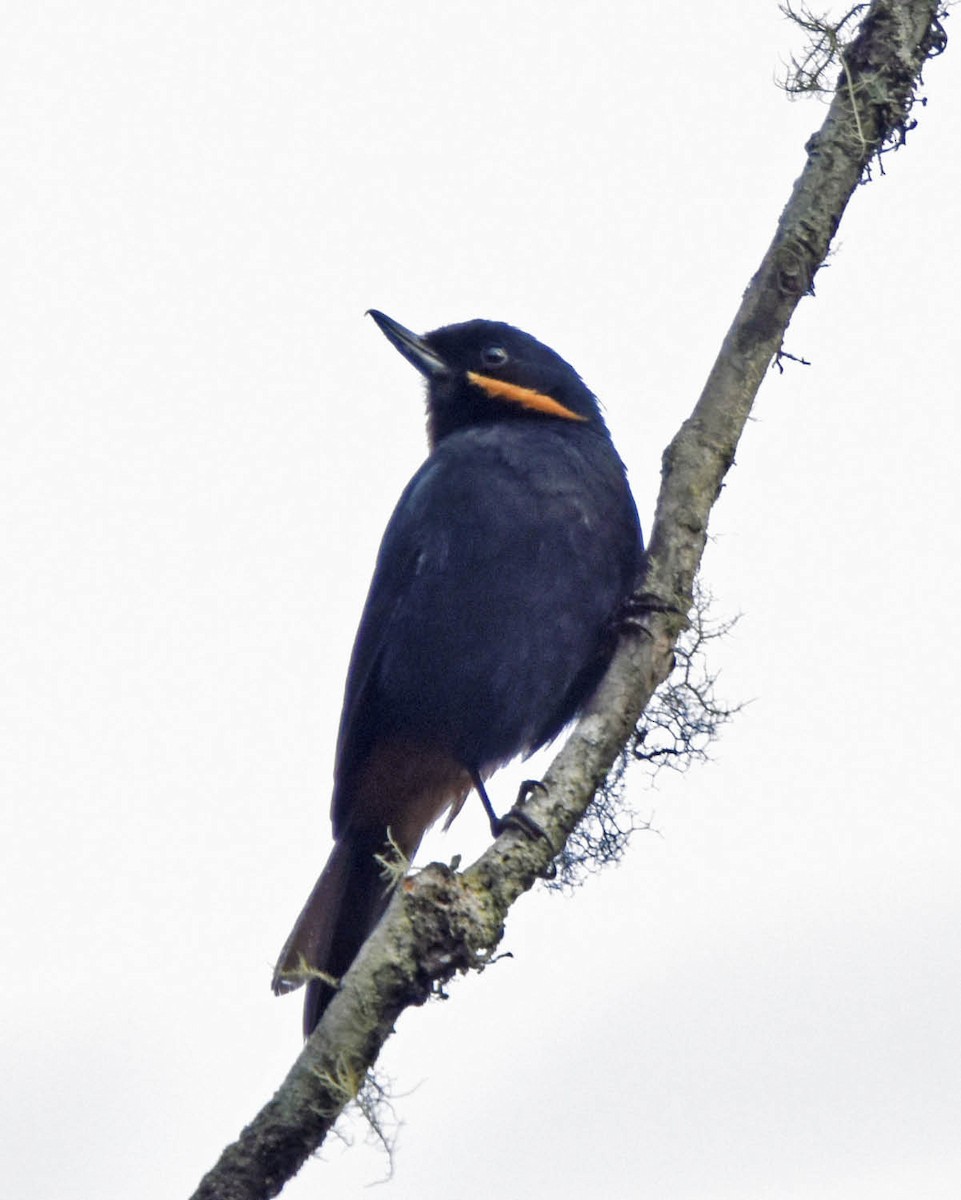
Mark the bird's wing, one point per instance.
(410, 541)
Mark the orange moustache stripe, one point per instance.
(499, 389)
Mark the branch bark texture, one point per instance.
(442, 921)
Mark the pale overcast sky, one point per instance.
(201, 439)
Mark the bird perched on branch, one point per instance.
(490, 620)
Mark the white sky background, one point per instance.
(201, 440)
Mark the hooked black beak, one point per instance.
(411, 345)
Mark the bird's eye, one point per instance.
(494, 356)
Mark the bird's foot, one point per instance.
(520, 819)
(530, 826)
(517, 818)
(639, 605)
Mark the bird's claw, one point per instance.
(527, 789)
(641, 604)
(518, 819)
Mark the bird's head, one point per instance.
(482, 372)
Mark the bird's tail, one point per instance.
(348, 900)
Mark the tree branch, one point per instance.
(442, 922)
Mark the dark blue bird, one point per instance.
(491, 615)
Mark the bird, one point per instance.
(491, 617)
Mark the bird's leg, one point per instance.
(516, 818)
(497, 825)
